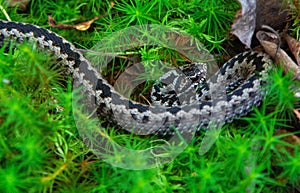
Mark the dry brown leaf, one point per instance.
(129, 79)
(297, 113)
(245, 23)
(297, 5)
(86, 25)
(294, 46)
(256, 13)
(52, 23)
(112, 3)
(273, 13)
(80, 26)
(291, 139)
(270, 42)
(21, 4)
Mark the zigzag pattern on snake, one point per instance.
(229, 97)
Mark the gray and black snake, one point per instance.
(233, 90)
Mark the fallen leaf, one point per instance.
(294, 46)
(289, 138)
(270, 43)
(290, 146)
(273, 13)
(112, 3)
(129, 79)
(245, 23)
(52, 23)
(80, 26)
(297, 5)
(256, 13)
(86, 25)
(21, 4)
(297, 113)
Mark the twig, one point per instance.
(5, 13)
(103, 54)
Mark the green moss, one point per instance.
(42, 151)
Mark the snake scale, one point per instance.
(233, 90)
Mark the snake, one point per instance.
(230, 93)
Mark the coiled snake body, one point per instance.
(240, 78)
